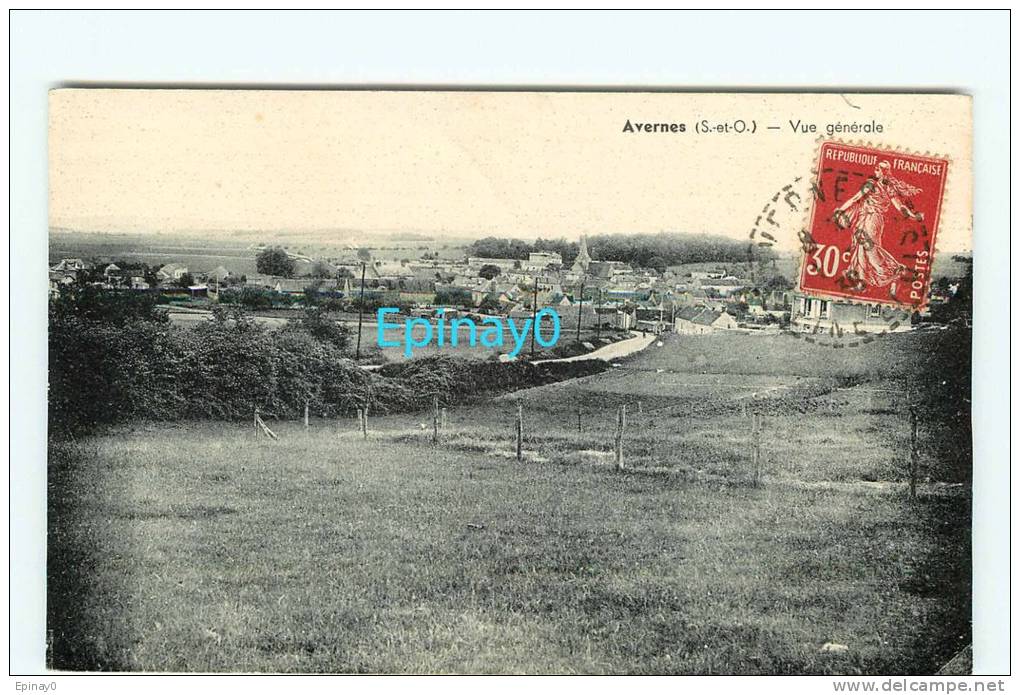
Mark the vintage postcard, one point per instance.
(509, 382)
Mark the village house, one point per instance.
(171, 272)
(392, 270)
(609, 270)
(541, 261)
(219, 274)
(475, 263)
(724, 287)
(699, 276)
(825, 314)
(60, 279)
(702, 320)
(71, 265)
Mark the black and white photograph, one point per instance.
(333, 394)
(458, 379)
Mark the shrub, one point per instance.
(275, 261)
(105, 371)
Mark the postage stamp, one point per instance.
(873, 225)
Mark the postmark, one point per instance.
(872, 226)
(798, 209)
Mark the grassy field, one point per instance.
(197, 547)
(232, 251)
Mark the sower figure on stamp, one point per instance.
(864, 213)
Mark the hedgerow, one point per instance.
(104, 370)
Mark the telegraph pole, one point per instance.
(361, 311)
(598, 319)
(534, 315)
(580, 308)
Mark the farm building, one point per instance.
(70, 265)
(700, 320)
(58, 279)
(475, 263)
(171, 272)
(219, 274)
(539, 261)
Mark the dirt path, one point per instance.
(610, 352)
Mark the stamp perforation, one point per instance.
(878, 147)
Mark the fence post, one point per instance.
(260, 425)
(756, 428)
(579, 420)
(913, 453)
(442, 418)
(520, 432)
(621, 423)
(306, 413)
(360, 416)
(435, 419)
(364, 422)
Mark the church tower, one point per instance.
(583, 259)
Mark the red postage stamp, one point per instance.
(873, 225)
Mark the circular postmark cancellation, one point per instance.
(867, 220)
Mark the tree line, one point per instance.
(644, 250)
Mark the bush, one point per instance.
(104, 371)
(275, 261)
(255, 298)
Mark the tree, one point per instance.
(778, 282)
(959, 307)
(738, 309)
(186, 280)
(657, 263)
(256, 298)
(151, 278)
(453, 297)
(318, 323)
(312, 293)
(321, 269)
(489, 305)
(941, 285)
(275, 261)
(489, 271)
(83, 301)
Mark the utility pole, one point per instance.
(580, 310)
(621, 424)
(913, 453)
(361, 311)
(534, 315)
(598, 319)
(519, 432)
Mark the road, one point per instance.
(611, 352)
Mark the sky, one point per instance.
(466, 164)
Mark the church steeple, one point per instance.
(583, 259)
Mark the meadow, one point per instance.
(197, 547)
(231, 250)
